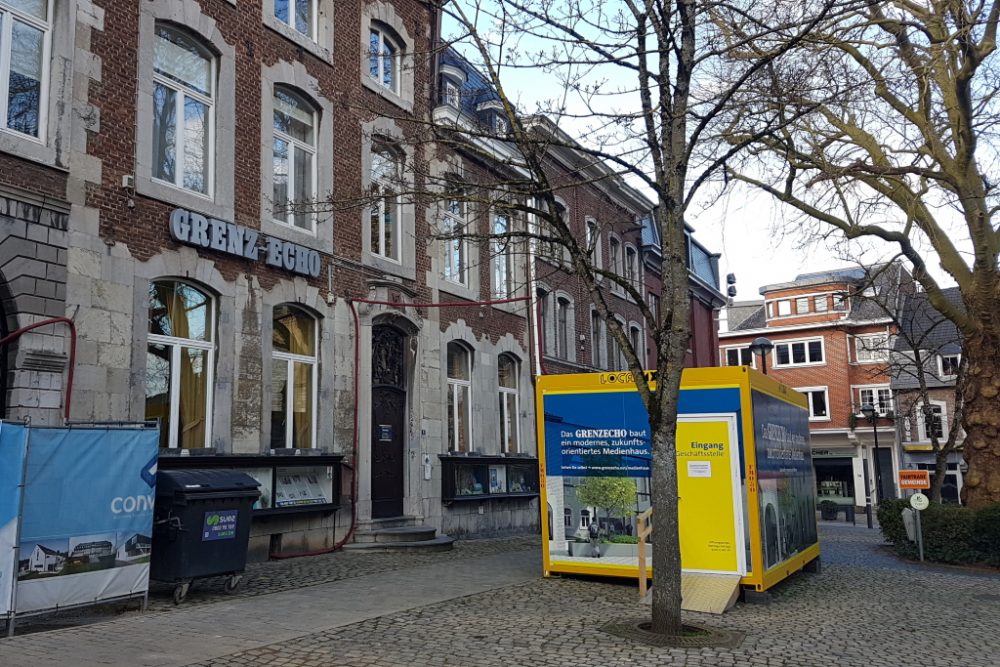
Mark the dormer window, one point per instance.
(493, 116)
(452, 80)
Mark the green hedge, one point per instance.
(952, 534)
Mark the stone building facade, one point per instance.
(202, 187)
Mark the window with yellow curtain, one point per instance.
(293, 378)
(180, 359)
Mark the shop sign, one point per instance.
(914, 479)
(196, 230)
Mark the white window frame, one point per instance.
(593, 237)
(799, 302)
(821, 299)
(808, 391)
(940, 365)
(397, 59)
(636, 338)
(7, 16)
(564, 334)
(841, 302)
(631, 259)
(598, 344)
(505, 418)
(790, 343)
(310, 149)
(615, 259)
(313, 363)
(455, 258)
(866, 351)
(859, 391)
(313, 18)
(177, 345)
(725, 354)
(922, 434)
(455, 385)
(451, 92)
(380, 206)
(784, 307)
(504, 265)
(180, 93)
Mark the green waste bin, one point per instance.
(201, 527)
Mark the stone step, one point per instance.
(406, 534)
(367, 530)
(439, 543)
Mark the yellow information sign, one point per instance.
(706, 466)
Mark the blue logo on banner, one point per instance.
(219, 525)
(148, 473)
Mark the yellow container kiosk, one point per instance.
(746, 491)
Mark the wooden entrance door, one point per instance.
(388, 419)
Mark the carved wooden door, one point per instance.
(388, 420)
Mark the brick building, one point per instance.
(154, 161)
(831, 333)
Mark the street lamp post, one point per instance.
(868, 410)
(761, 347)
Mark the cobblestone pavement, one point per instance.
(866, 609)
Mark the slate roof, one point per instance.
(740, 311)
(923, 326)
(476, 89)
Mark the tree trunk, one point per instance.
(982, 415)
(667, 551)
(940, 470)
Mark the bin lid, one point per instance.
(194, 482)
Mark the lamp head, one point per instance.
(868, 410)
(761, 346)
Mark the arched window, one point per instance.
(510, 403)
(293, 378)
(183, 111)
(384, 58)
(459, 398)
(294, 161)
(179, 363)
(562, 328)
(386, 177)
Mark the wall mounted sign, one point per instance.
(194, 229)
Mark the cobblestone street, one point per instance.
(865, 609)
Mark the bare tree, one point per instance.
(892, 116)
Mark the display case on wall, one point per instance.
(289, 483)
(479, 477)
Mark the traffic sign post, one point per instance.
(919, 503)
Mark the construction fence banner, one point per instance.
(13, 446)
(87, 516)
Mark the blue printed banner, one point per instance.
(219, 525)
(88, 516)
(13, 448)
(596, 435)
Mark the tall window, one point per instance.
(459, 399)
(932, 422)
(383, 60)
(594, 242)
(631, 266)
(300, 15)
(24, 61)
(455, 252)
(503, 257)
(879, 397)
(596, 338)
(294, 159)
(562, 328)
(183, 111)
(567, 517)
(617, 358)
(543, 320)
(654, 306)
(615, 250)
(179, 363)
(293, 379)
(507, 375)
(635, 337)
(384, 218)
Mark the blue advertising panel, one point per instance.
(13, 447)
(87, 516)
(786, 485)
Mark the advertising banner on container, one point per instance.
(786, 484)
(87, 516)
(13, 446)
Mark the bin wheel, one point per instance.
(181, 592)
(233, 583)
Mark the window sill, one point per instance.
(388, 266)
(298, 235)
(403, 102)
(148, 187)
(28, 148)
(300, 40)
(792, 366)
